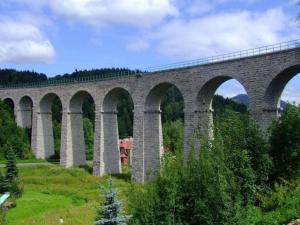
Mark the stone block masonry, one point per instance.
(263, 77)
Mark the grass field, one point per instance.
(52, 192)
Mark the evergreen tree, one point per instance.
(3, 184)
(110, 213)
(11, 182)
(11, 167)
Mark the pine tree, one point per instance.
(11, 167)
(3, 183)
(110, 213)
(11, 182)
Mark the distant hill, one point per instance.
(244, 99)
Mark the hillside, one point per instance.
(244, 99)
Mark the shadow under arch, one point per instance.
(153, 133)
(11, 105)
(204, 105)
(73, 151)
(45, 139)
(24, 114)
(111, 156)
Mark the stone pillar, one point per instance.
(190, 132)
(197, 124)
(205, 123)
(153, 143)
(42, 135)
(24, 117)
(112, 160)
(265, 117)
(34, 132)
(72, 140)
(98, 157)
(138, 170)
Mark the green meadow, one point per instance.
(52, 193)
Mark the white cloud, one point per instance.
(231, 89)
(223, 32)
(138, 13)
(137, 45)
(22, 42)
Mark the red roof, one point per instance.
(126, 143)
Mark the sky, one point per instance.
(57, 37)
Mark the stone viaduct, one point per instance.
(263, 72)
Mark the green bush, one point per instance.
(247, 153)
(201, 191)
(173, 135)
(285, 144)
(12, 135)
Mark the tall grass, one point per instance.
(52, 193)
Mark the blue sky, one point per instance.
(55, 37)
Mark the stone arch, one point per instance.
(271, 98)
(204, 109)
(46, 102)
(76, 101)
(111, 154)
(73, 153)
(154, 96)
(24, 114)
(275, 88)
(45, 141)
(153, 138)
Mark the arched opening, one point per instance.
(291, 93)
(218, 96)
(82, 120)
(25, 112)
(49, 127)
(283, 90)
(286, 79)
(117, 118)
(11, 105)
(163, 125)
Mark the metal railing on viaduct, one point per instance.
(263, 72)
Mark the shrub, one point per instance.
(200, 191)
(285, 144)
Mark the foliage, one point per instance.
(173, 135)
(247, 153)
(285, 144)
(201, 191)
(125, 115)
(88, 128)
(279, 207)
(172, 105)
(11, 76)
(11, 165)
(11, 135)
(56, 136)
(221, 104)
(11, 182)
(111, 212)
